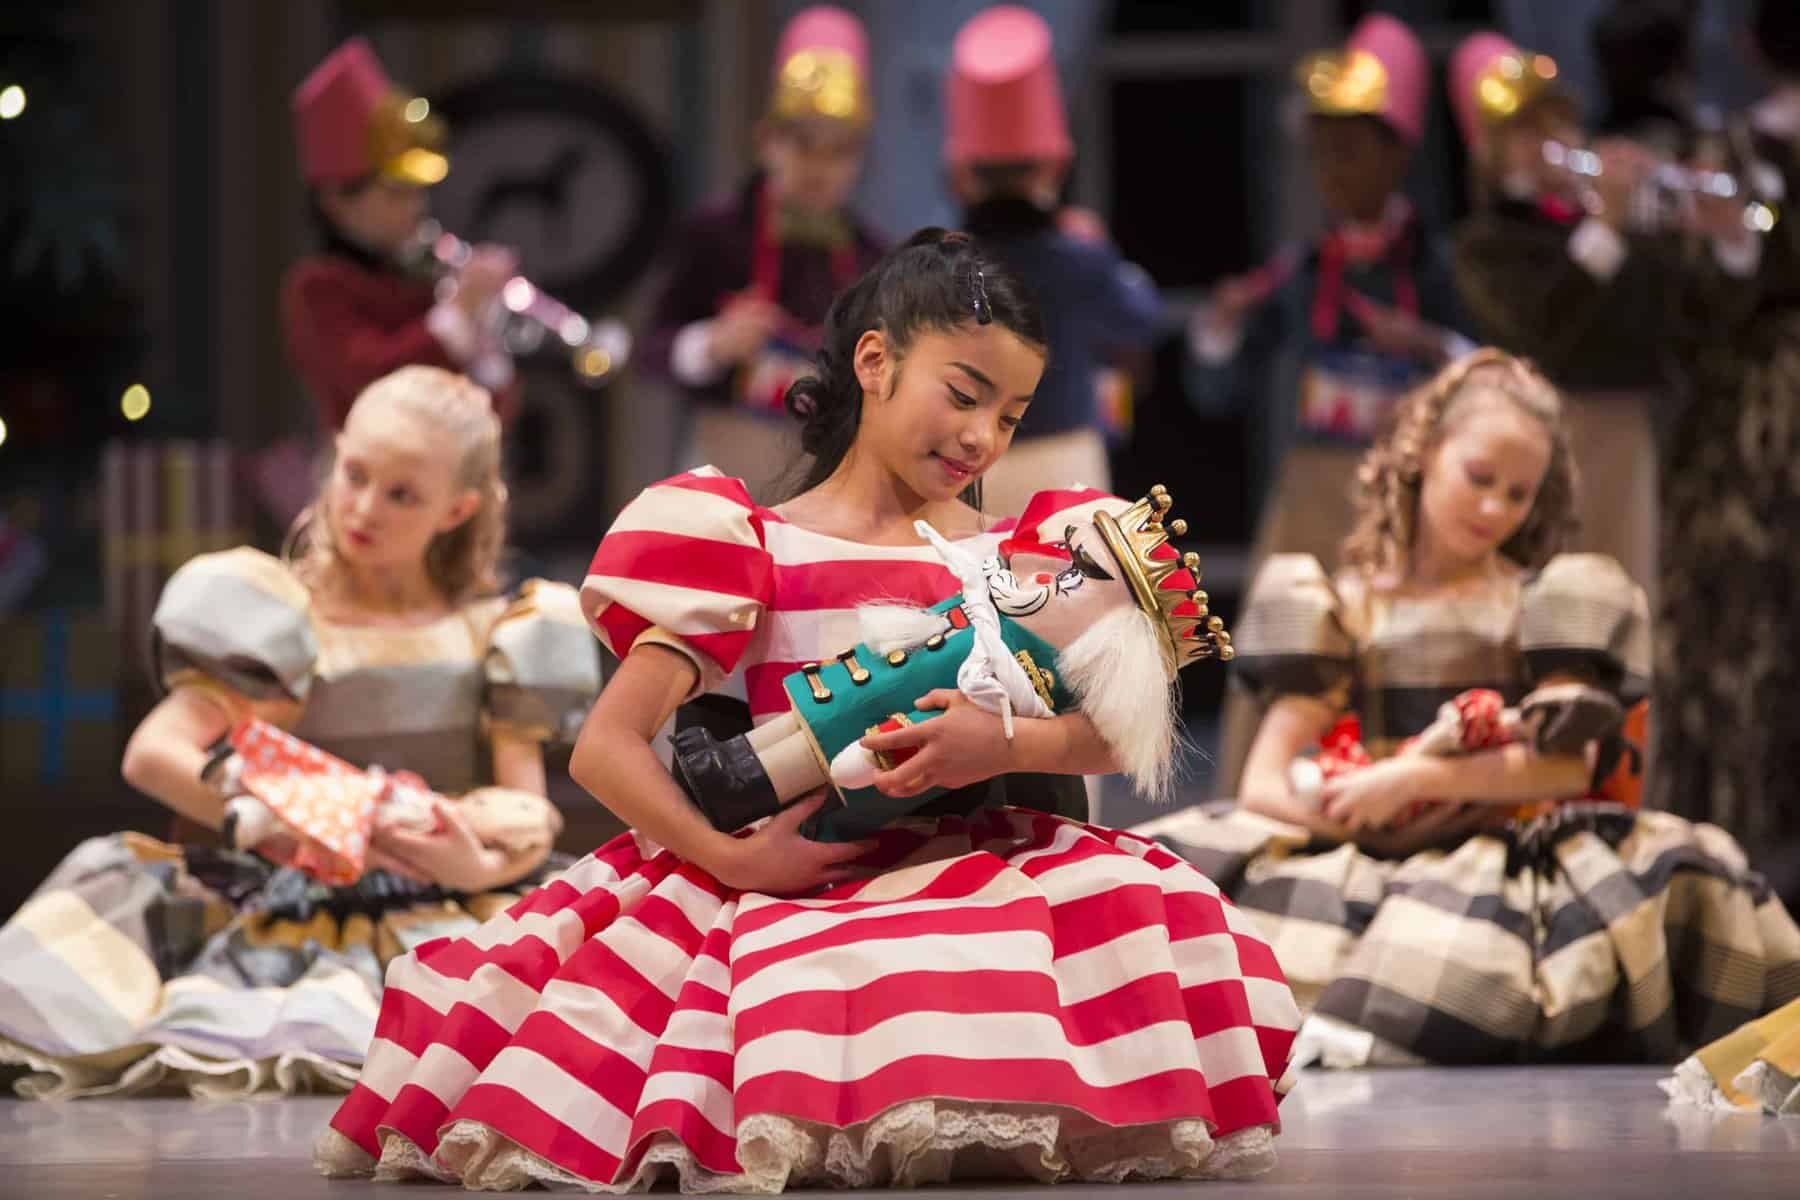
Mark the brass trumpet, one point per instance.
(1671, 183)
(597, 350)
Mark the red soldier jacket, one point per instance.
(349, 319)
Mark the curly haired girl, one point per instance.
(1486, 404)
(1484, 907)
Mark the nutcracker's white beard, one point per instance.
(1111, 669)
(1115, 669)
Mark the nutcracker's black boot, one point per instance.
(725, 780)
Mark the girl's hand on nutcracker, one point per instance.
(1372, 797)
(450, 856)
(781, 861)
(965, 745)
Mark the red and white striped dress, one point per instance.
(1006, 994)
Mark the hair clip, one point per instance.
(984, 312)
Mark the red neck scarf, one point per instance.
(765, 254)
(1392, 240)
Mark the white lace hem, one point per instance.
(142, 1070)
(337, 1157)
(919, 1142)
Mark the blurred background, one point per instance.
(150, 202)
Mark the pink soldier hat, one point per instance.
(1492, 81)
(822, 68)
(1003, 102)
(1381, 71)
(350, 121)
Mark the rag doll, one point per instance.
(294, 804)
(1557, 718)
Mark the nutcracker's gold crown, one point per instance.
(1189, 631)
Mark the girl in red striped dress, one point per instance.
(986, 990)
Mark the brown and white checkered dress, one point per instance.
(1597, 932)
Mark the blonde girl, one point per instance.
(381, 637)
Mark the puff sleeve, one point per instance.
(1291, 639)
(1583, 615)
(542, 669)
(236, 619)
(684, 566)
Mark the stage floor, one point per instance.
(1530, 1132)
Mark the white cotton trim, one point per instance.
(885, 628)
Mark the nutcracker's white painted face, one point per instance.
(1058, 599)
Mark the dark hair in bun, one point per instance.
(935, 282)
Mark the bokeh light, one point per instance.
(135, 403)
